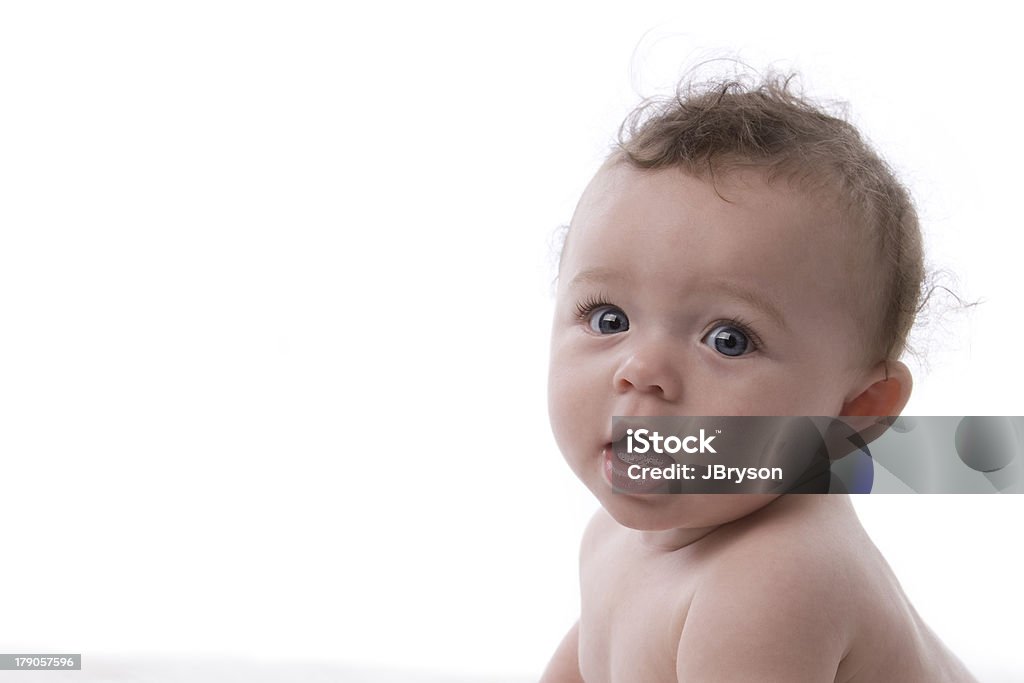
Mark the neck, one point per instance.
(671, 540)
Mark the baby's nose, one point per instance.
(650, 373)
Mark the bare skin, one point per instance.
(658, 269)
(793, 592)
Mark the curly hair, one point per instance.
(719, 126)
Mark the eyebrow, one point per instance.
(733, 290)
(596, 276)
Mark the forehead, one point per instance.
(679, 212)
(667, 230)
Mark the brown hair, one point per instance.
(722, 125)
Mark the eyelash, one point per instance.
(588, 305)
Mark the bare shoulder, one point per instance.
(777, 599)
(804, 595)
(598, 532)
(814, 542)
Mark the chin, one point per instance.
(660, 512)
(650, 512)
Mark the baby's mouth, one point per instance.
(648, 459)
(618, 461)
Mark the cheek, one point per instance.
(566, 409)
(774, 391)
(574, 391)
(813, 396)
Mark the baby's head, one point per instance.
(740, 252)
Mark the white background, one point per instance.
(274, 306)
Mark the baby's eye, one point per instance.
(608, 320)
(729, 340)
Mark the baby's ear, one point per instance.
(882, 392)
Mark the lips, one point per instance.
(616, 463)
(621, 424)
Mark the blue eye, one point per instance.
(608, 320)
(728, 340)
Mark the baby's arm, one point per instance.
(762, 619)
(564, 666)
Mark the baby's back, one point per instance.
(795, 592)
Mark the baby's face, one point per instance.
(673, 301)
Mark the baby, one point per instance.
(741, 252)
